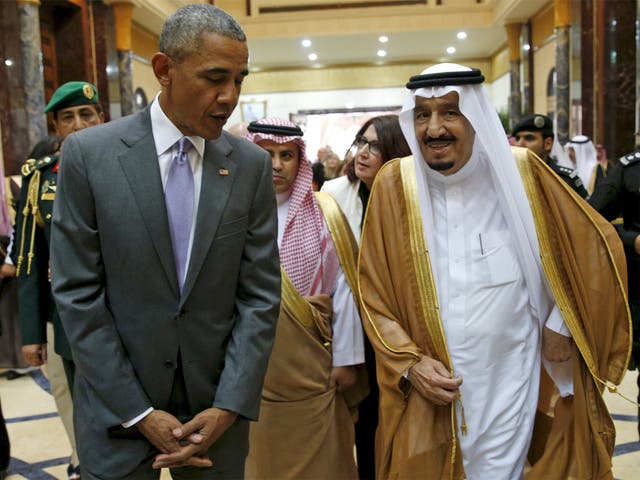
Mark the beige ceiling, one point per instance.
(346, 32)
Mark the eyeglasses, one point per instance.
(374, 147)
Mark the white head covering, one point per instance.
(586, 156)
(492, 148)
(559, 153)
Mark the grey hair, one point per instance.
(182, 32)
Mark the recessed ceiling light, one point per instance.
(383, 39)
(349, 105)
(451, 50)
(306, 43)
(382, 53)
(461, 35)
(313, 57)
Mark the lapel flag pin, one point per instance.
(223, 171)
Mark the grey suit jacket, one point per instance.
(115, 283)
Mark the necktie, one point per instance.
(178, 196)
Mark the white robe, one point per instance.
(492, 336)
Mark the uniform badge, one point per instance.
(87, 91)
(223, 172)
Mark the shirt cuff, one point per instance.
(135, 420)
(556, 323)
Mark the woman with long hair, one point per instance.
(378, 141)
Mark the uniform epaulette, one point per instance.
(567, 171)
(32, 164)
(28, 167)
(630, 158)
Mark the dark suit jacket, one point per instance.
(115, 285)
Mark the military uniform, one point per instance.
(569, 175)
(543, 125)
(31, 244)
(618, 194)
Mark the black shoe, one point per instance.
(73, 472)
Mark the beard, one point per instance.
(439, 166)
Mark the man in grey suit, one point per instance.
(165, 267)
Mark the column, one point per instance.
(515, 98)
(123, 10)
(30, 46)
(562, 11)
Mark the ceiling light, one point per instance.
(382, 53)
(349, 105)
(451, 50)
(306, 43)
(526, 47)
(313, 57)
(8, 62)
(383, 39)
(461, 35)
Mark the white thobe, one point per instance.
(348, 339)
(492, 336)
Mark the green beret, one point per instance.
(534, 123)
(72, 94)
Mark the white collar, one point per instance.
(165, 133)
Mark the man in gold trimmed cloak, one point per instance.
(495, 300)
(304, 413)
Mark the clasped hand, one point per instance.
(185, 445)
(433, 381)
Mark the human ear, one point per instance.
(160, 65)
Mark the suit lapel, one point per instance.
(140, 165)
(218, 172)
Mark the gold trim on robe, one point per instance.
(343, 239)
(583, 260)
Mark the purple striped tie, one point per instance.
(178, 196)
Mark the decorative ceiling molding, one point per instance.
(284, 7)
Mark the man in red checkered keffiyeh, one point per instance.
(316, 349)
(307, 252)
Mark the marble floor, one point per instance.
(40, 449)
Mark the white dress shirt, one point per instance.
(165, 138)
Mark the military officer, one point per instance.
(74, 106)
(535, 132)
(618, 195)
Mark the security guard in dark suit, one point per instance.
(618, 195)
(74, 106)
(535, 132)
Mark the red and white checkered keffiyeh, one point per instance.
(307, 253)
